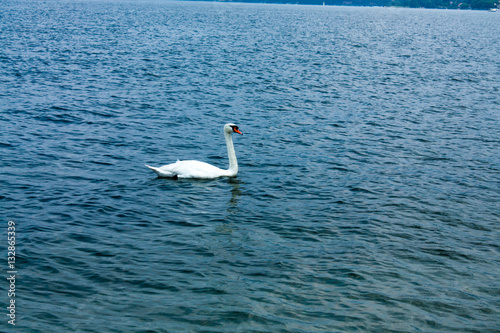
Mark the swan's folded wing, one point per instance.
(189, 169)
(195, 169)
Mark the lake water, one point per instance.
(369, 185)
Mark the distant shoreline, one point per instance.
(423, 4)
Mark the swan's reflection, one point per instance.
(232, 210)
(232, 207)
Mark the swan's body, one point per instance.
(202, 170)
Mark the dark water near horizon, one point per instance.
(369, 185)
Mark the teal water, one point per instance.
(369, 183)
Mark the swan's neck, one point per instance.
(233, 163)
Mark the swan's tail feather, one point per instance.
(156, 170)
(161, 173)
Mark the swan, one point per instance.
(202, 170)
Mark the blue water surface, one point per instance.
(369, 185)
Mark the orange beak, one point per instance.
(237, 131)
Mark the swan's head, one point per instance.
(230, 128)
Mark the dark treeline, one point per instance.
(448, 4)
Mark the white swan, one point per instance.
(202, 170)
